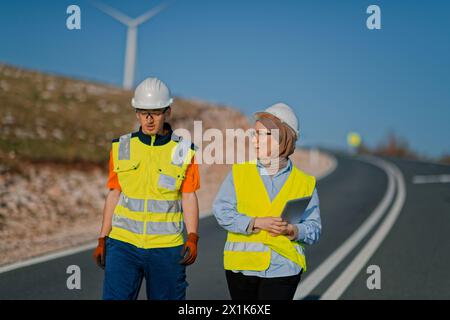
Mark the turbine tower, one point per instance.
(131, 48)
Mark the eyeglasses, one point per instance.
(154, 113)
(260, 133)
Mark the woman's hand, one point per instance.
(273, 225)
(291, 232)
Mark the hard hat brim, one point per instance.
(137, 105)
(257, 114)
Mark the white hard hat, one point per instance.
(284, 113)
(151, 93)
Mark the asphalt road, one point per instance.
(413, 257)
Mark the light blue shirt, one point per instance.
(309, 228)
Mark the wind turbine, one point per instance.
(132, 24)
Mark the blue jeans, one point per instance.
(127, 265)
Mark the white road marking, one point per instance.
(442, 178)
(315, 278)
(354, 268)
(47, 257)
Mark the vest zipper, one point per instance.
(152, 140)
(148, 174)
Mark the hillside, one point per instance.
(55, 137)
(47, 118)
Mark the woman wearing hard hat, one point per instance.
(264, 255)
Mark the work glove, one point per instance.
(189, 252)
(100, 253)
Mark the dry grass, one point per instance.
(46, 118)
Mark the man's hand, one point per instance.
(273, 225)
(190, 213)
(189, 252)
(100, 253)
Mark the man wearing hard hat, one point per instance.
(264, 255)
(152, 181)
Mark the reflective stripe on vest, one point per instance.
(164, 227)
(128, 224)
(124, 147)
(131, 203)
(137, 227)
(246, 246)
(164, 206)
(253, 247)
(156, 206)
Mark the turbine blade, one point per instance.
(151, 13)
(116, 14)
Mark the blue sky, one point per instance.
(317, 56)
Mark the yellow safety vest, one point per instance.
(252, 252)
(150, 170)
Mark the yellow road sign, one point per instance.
(354, 139)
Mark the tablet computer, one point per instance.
(294, 209)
